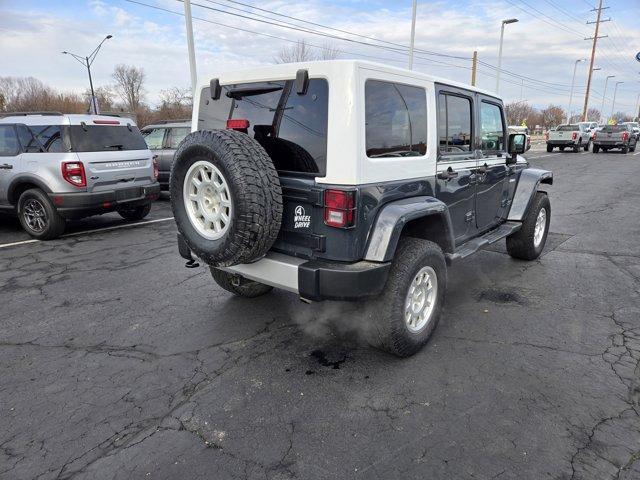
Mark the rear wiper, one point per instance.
(118, 146)
(238, 93)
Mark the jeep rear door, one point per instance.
(455, 177)
(492, 171)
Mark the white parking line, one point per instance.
(544, 156)
(637, 153)
(84, 232)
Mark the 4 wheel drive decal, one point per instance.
(300, 218)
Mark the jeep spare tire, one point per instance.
(225, 196)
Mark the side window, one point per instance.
(454, 123)
(395, 119)
(492, 127)
(50, 137)
(8, 141)
(154, 138)
(28, 140)
(176, 135)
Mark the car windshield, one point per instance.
(568, 128)
(98, 138)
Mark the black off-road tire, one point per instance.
(596, 148)
(255, 193)
(135, 213)
(521, 244)
(240, 286)
(549, 148)
(54, 224)
(586, 147)
(625, 149)
(386, 326)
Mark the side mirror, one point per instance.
(517, 146)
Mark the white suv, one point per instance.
(55, 167)
(348, 180)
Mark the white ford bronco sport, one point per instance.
(348, 180)
(55, 167)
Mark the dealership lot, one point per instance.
(118, 362)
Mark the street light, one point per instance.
(87, 62)
(504, 22)
(573, 81)
(605, 94)
(613, 104)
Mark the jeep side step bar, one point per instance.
(475, 244)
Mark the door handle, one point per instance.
(6, 166)
(448, 174)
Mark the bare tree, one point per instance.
(553, 116)
(129, 85)
(518, 112)
(105, 97)
(621, 117)
(593, 115)
(302, 52)
(30, 94)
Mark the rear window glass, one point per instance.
(614, 128)
(94, 138)
(568, 128)
(292, 128)
(395, 119)
(51, 137)
(154, 137)
(176, 135)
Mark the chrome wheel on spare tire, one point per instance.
(207, 200)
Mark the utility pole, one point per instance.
(192, 52)
(573, 81)
(413, 33)
(604, 95)
(474, 68)
(593, 54)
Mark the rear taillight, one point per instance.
(73, 172)
(239, 124)
(574, 136)
(594, 135)
(156, 169)
(625, 136)
(339, 208)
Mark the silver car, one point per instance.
(55, 167)
(162, 139)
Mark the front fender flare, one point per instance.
(528, 184)
(393, 217)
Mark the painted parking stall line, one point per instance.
(87, 232)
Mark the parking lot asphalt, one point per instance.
(118, 362)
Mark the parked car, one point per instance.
(573, 136)
(349, 180)
(523, 130)
(635, 126)
(615, 136)
(57, 167)
(162, 139)
(590, 127)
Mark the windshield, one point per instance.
(292, 128)
(93, 138)
(567, 128)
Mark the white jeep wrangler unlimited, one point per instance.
(348, 180)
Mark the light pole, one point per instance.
(190, 47)
(573, 81)
(413, 33)
(504, 22)
(604, 94)
(613, 104)
(87, 62)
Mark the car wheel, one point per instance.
(401, 320)
(136, 213)
(576, 148)
(625, 149)
(239, 285)
(586, 147)
(528, 242)
(596, 149)
(38, 216)
(549, 148)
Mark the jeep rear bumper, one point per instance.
(311, 279)
(83, 204)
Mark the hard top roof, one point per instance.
(46, 118)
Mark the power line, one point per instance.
(554, 24)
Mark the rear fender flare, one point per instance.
(25, 179)
(528, 184)
(394, 216)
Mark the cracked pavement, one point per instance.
(118, 363)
